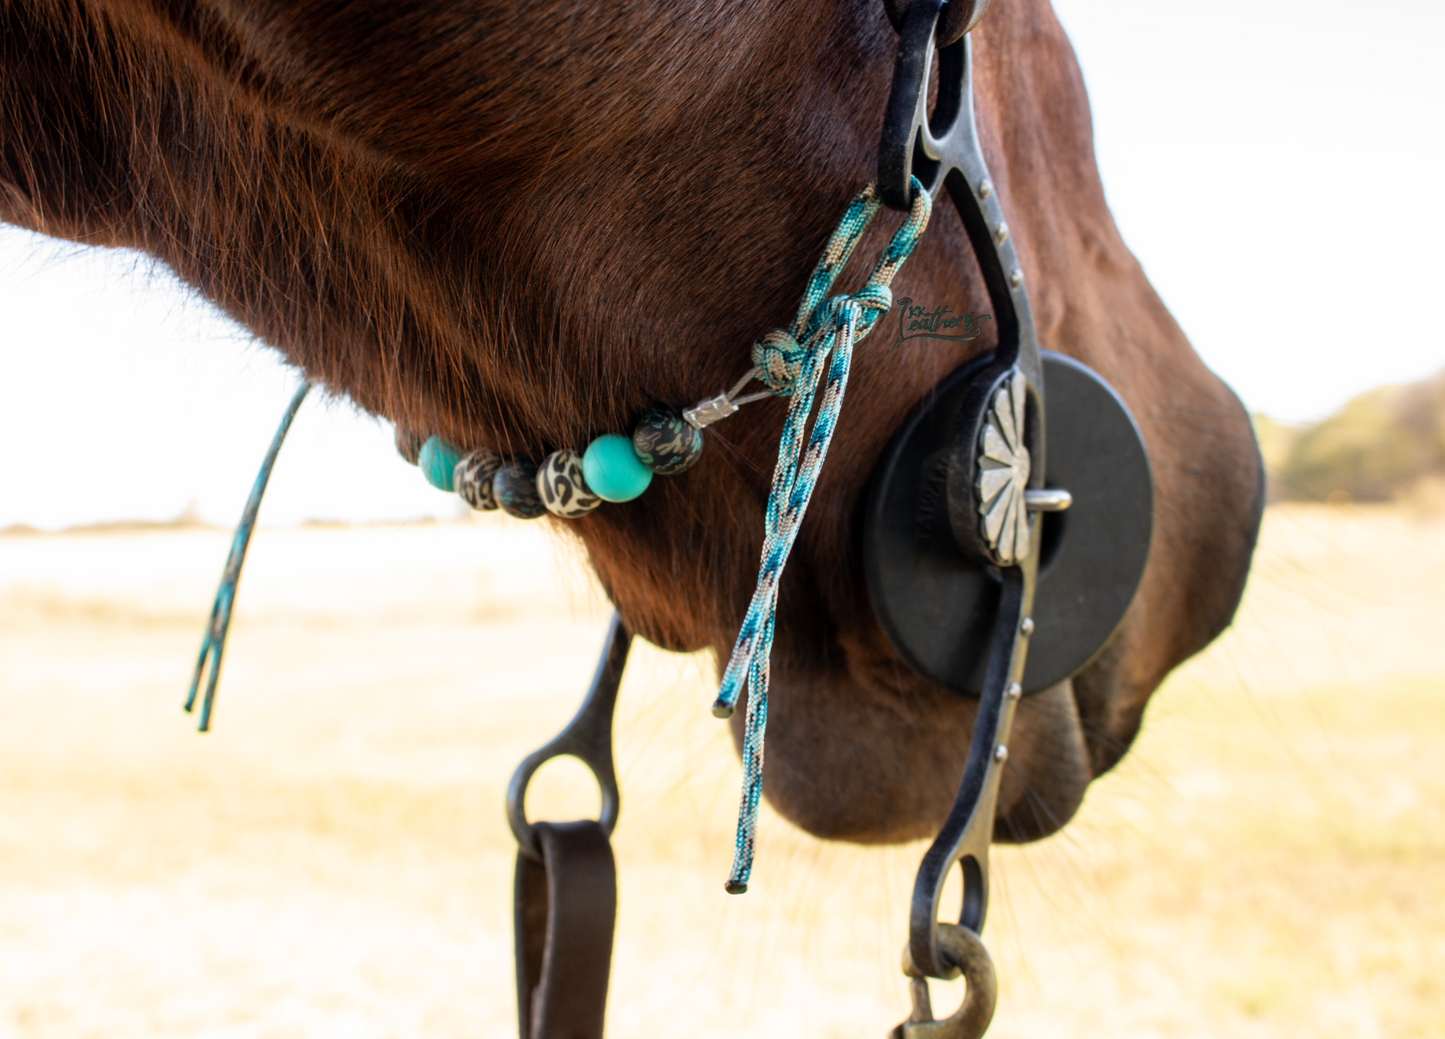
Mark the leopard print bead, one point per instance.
(561, 487)
(515, 487)
(665, 443)
(472, 478)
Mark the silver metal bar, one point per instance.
(1049, 499)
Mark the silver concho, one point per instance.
(1003, 473)
(472, 478)
(561, 487)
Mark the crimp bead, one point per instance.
(472, 478)
(437, 460)
(515, 488)
(666, 443)
(562, 487)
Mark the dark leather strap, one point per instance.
(565, 910)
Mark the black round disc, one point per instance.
(937, 604)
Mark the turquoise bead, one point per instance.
(612, 469)
(437, 459)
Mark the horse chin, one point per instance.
(874, 763)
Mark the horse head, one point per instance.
(520, 226)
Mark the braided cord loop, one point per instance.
(791, 363)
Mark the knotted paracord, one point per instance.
(790, 363)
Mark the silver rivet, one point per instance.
(1000, 753)
(1016, 278)
(1000, 233)
(1027, 626)
(1014, 691)
(985, 189)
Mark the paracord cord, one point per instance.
(790, 363)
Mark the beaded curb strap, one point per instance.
(789, 363)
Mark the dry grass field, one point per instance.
(332, 861)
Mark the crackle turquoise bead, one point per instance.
(437, 459)
(612, 469)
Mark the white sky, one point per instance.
(1278, 172)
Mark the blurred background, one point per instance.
(332, 861)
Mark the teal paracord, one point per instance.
(791, 363)
(213, 644)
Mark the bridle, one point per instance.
(981, 580)
(956, 551)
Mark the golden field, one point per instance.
(332, 861)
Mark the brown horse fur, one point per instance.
(523, 224)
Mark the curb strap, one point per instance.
(565, 910)
(565, 887)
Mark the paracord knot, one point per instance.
(875, 301)
(778, 358)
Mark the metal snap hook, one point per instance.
(965, 951)
(587, 737)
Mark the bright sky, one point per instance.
(1277, 167)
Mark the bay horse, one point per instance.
(519, 226)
